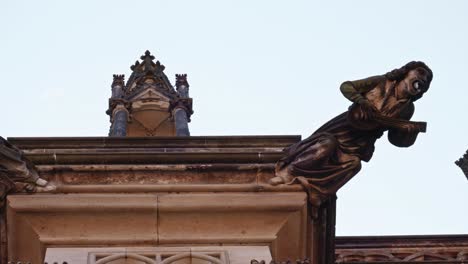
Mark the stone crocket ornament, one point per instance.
(17, 173)
(332, 155)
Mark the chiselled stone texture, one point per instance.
(402, 249)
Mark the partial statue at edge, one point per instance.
(463, 164)
(17, 173)
(332, 155)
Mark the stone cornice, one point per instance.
(151, 157)
(155, 164)
(154, 150)
(270, 141)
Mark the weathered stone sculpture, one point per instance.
(17, 173)
(332, 155)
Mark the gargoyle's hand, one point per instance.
(411, 129)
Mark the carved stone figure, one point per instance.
(332, 155)
(17, 173)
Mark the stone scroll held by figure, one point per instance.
(332, 155)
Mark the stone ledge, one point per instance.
(170, 188)
(148, 157)
(154, 150)
(280, 141)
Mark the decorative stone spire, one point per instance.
(118, 85)
(182, 107)
(148, 74)
(147, 104)
(182, 85)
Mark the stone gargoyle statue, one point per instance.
(17, 173)
(332, 155)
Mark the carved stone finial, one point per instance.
(182, 85)
(119, 79)
(147, 74)
(463, 163)
(147, 66)
(118, 85)
(147, 56)
(181, 79)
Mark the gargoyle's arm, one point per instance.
(354, 90)
(400, 137)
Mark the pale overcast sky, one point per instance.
(258, 68)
